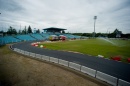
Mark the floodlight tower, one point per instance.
(95, 17)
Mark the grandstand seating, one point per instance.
(30, 37)
(76, 36)
(25, 37)
(8, 39)
(46, 35)
(38, 36)
(70, 36)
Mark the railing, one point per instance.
(94, 73)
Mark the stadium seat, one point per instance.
(38, 36)
(8, 39)
(25, 37)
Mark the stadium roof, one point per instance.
(53, 28)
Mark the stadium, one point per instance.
(71, 52)
(65, 43)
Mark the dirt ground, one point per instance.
(18, 70)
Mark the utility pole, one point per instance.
(20, 26)
(95, 17)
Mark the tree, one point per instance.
(11, 31)
(14, 31)
(1, 33)
(84, 34)
(23, 31)
(29, 29)
(38, 31)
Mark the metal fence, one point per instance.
(94, 73)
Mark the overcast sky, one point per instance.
(73, 15)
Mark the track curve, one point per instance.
(113, 68)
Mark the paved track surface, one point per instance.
(116, 69)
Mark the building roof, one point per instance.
(53, 28)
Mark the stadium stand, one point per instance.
(25, 37)
(59, 31)
(70, 36)
(35, 36)
(38, 36)
(8, 39)
(45, 35)
(32, 37)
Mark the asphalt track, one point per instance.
(113, 68)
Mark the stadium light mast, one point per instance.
(95, 17)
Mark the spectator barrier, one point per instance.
(123, 83)
(55, 60)
(74, 66)
(22, 52)
(38, 56)
(97, 74)
(63, 62)
(26, 53)
(89, 71)
(32, 54)
(105, 77)
(46, 58)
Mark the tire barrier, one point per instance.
(105, 77)
(94, 73)
(88, 71)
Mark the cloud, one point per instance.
(74, 15)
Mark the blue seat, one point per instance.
(38, 36)
(25, 37)
(8, 39)
(46, 35)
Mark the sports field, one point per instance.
(94, 47)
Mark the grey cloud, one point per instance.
(9, 5)
(71, 14)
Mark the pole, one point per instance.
(95, 17)
(94, 28)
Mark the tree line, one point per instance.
(13, 31)
(115, 34)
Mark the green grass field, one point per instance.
(95, 47)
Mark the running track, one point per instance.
(113, 68)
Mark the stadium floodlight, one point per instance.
(95, 17)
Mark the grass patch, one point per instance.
(4, 50)
(94, 47)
